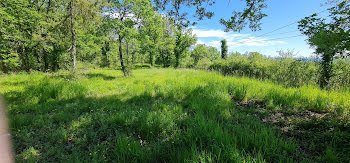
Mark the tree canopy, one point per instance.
(329, 37)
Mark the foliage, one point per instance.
(51, 35)
(183, 40)
(224, 49)
(203, 51)
(288, 72)
(252, 14)
(330, 39)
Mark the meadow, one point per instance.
(172, 115)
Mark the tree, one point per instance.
(166, 43)
(214, 53)
(289, 53)
(48, 35)
(81, 12)
(38, 34)
(251, 15)
(105, 31)
(202, 51)
(224, 49)
(127, 15)
(152, 32)
(198, 53)
(330, 39)
(184, 39)
(17, 26)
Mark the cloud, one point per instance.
(215, 43)
(254, 41)
(200, 42)
(216, 33)
(233, 39)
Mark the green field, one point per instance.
(168, 115)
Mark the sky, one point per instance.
(280, 13)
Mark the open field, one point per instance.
(167, 115)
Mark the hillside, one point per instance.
(168, 115)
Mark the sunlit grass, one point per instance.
(160, 115)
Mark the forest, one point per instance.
(128, 81)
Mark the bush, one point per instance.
(203, 64)
(288, 72)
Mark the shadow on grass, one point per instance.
(85, 129)
(16, 83)
(56, 121)
(71, 76)
(99, 75)
(317, 134)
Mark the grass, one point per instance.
(167, 115)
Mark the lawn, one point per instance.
(168, 115)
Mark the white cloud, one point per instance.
(254, 41)
(215, 43)
(200, 42)
(216, 33)
(233, 39)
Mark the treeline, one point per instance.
(48, 35)
(287, 71)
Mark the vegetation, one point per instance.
(126, 81)
(329, 39)
(224, 49)
(48, 35)
(166, 115)
(287, 71)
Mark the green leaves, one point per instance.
(251, 15)
(224, 49)
(330, 38)
(202, 51)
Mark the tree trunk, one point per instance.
(74, 41)
(127, 52)
(3, 65)
(167, 59)
(177, 51)
(151, 57)
(121, 56)
(46, 62)
(177, 59)
(326, 70)
(105, 50)
(26, 59)
(132, 57)
(163, 58)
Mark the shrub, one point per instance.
(288, 72)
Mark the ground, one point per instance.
(167, 115)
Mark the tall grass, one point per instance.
(288, 72)
(160, 115)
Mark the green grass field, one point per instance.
(167, 115)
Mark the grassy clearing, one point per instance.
(166, 115)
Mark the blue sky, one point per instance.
(280, 13)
